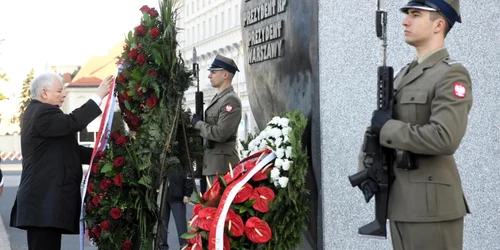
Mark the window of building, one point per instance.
(216, 24)
(229, 18)
(210, 27)
(85, 137)
(222, 22)
(204, 30)
(198, 33)
(237, 14)
(192, 35)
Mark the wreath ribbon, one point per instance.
(216, 236)
(99, 144)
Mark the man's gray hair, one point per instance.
(45, 80)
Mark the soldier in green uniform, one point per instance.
(222, 118)
(433, 100)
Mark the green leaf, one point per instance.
(146, 181)
(127, 105)
(108, 167)
(221, 179)
(157, 56)
(129, 35)
(251, 212)
(188, 236)
(249, 203)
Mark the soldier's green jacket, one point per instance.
(222, 118)
(433, 101)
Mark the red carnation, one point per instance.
(121, 76)
(132, 55)
(96, 200)
(115, 134)
(119, 161)
(140, 30)
(118, 180)
(90, 187)
(104, 225)
(121, 141)
(258, 231)
(141, 58)
(154, 33)
(144, 8)
(151, 101)
(136, 121)
(138, 89)
(116, 213)
(128, 114)
(96, 232)
(127, 245)
(152, 72)
(264, 196)
(101, 154)
(243, 194)
(95, 169)
(153, 12)
(105, 184)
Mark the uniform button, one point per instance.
(395, 102)
(388, 141)
(412, 98)
(430, 178)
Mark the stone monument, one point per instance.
(280, 41)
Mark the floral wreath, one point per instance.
(121, 208)
(269, 210)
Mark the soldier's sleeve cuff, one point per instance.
(198, 125)
(388, 133)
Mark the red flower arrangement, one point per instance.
(250, 203)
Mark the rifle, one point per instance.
(378, 159)
(198, 104)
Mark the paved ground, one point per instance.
(15, 239)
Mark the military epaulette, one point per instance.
(399, 71)
(450, 61)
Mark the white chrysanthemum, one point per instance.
(283, 181)
(275, 120)
(276, 183)
(288, 152)
(263, 145)
(286, 165)
(286, 130)
(284, 122)
(252, 144)
(276, 133)
(245, 153)
(275, 174)
(265, 133)
(286, 138)
(278, 162)
(278, 142)
(280, 153)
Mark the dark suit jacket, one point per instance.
(49, 192)
(180, 185)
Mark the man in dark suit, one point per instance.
(180, 188)
(48, 199)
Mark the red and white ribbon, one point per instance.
(216, 236)
(99, 145)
